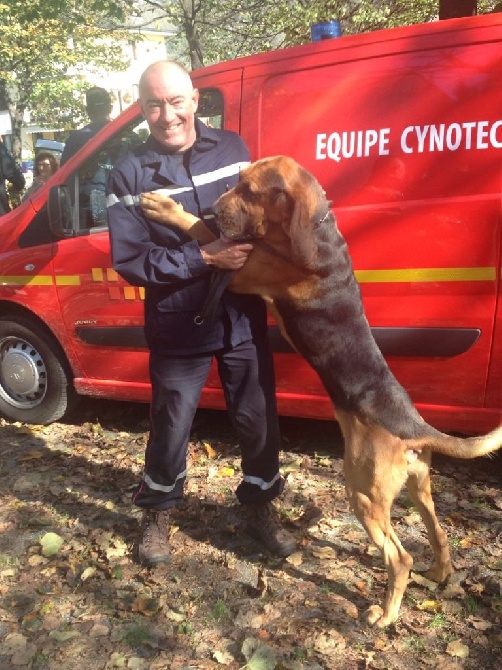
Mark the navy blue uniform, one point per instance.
(79, 137)
(170, 266)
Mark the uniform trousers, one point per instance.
(247, 377)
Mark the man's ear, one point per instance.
(195, 99)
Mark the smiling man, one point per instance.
(194, 165)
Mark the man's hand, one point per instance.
(165, 210)
(225, 254)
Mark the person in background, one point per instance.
(196, 164)
(44, 166)
(98, 104)
(10, 172)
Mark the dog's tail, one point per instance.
(458, 447)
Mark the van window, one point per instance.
(89, 183)
(210, 110)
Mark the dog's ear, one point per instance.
(298, 227)
(304, 193)
(281, 204)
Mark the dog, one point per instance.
(300, 265)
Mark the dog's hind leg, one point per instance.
(419, 488)
(375, 518)
(375, 472)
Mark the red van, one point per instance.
(402, 127)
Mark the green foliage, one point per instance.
(214, 30)
(45, 46)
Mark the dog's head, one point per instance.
(273, 194)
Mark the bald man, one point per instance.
(194, 165)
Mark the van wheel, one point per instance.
(35, 382)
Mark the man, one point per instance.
(195, 164)
(11, 172)
(98, 104)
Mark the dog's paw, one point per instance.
(375, 616)
(439, 573)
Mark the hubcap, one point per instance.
(23, 375)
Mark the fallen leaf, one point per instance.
(63, 635)
(324, 552)
(479, 624)
(88, 572)
(225, 472)
(453, 591)
(258, 656)
(295, 559)
(31, 456)
(423, 581)
(458, 649)
(146, 606)
(429, 606)
(223, 657)
(211, 453)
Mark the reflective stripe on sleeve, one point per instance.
(130, 200)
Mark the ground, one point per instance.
(72, 595)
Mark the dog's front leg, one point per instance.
(165, 210)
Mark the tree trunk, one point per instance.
(190, 25)
(9, 98)
(16, 119)
(452, 9)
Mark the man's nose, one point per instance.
(167, 111)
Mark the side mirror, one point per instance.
(60, 212)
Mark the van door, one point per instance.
(103, 315)
(404, 135)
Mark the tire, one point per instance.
(36, 384)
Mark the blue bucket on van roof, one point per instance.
(325, 30)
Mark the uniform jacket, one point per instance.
(78, 138)
(165, 260)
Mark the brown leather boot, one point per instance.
(154, 545)
(263, 524)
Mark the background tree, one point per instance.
(45, 48)
(214, 30)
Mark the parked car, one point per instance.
(403, 129)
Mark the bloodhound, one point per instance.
(301, 266)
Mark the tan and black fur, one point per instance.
(301, 266)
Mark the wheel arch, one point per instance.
(12, 310)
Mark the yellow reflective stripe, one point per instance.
(67, 280)
(425, 275)
(417, 275)
(20, 280)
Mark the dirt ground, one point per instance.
(72, 595)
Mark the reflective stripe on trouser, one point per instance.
(247, 377)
